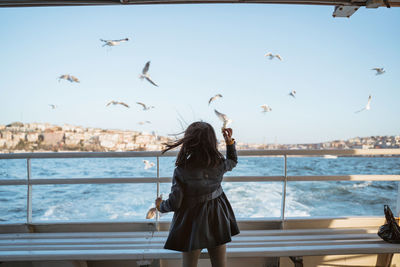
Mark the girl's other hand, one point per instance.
(227, 133)
(158, 202)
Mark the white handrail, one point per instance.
(143, 180)
(128, 154)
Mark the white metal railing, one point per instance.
(29, 182)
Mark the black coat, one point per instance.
(203, 216)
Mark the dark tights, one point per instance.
(217, 257)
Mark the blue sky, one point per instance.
(197, 51)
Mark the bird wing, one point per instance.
(146, 67)
(359, 110)
(73, 78)
(124, 104)
(369, 99)
(221, 116)
(149, 79)
(377, 69)
(368, 106)
(268, 54)
(109, 103)
(121, 40)
(142, 104)
(211, 100)
(278, 57)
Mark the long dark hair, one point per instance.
(199, 147)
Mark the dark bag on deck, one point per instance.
(390, 231)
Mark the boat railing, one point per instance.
(284, 178)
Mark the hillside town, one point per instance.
(41, 137)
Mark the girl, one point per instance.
(203, 216)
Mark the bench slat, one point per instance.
(141, 240)
(135, 254)
(165, 233)
(161, 245)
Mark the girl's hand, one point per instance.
(158, 202)
(227, 133)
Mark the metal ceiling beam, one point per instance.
(33, 3)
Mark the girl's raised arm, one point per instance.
(231, 155)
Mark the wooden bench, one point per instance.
(88, 246)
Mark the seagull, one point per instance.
(379, 71)
(214, 98)
(113, 42)
(145, 75)
(223, 118)
(117, 103)
(68, 77)
(144, 106)
(367, 106)
(52, 106)
(292, 93)
(144, 122)
(266, 108)
(271, 56)
(148, 164)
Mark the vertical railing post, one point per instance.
(29, 193)
(284, 193)
(158, 188)
(398, 200)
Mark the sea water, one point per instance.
(128, 202)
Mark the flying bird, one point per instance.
(144, 122)
(68, 77)
(145, 74)
(214, 98)
(113, 42)
(52, 106)
(223, 118)
(379, 71)
(117, 103)
(266, 108)
(367, 106)
(148, 164)
(144, 106)
(293, 93)
(272, 56)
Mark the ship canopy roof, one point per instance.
(343, 8)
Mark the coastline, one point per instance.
(18, 137)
